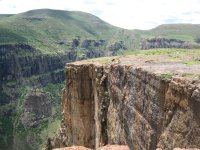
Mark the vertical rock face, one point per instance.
(78, 109)
(164, 43)
(22, 65)
(182, 117)
(37, 108)
(123, 104)
(20, 60)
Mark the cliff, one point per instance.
(22, 69)
(22, 65)
(165, 43)
(144, 101)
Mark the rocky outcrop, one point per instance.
(21, 65)
(88, 44)
(128, 101)
(75, 43)
(93, 48)
(197, 40)
(24, 67)
(114, 48)
(164, 43)
(38, 107)
(107, 147)
(21, 60)
(18, 61)
(90, 48)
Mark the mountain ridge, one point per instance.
(43, 28)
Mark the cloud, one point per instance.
(131, 14)
(89, 2)
(97, 12)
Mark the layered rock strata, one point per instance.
(164, 43)
(129, 101)
(38, 107)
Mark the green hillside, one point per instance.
(186, 32)
(45, 28)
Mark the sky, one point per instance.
(128, 14)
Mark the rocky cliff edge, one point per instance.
(146, 102)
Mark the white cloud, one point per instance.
(140, 14)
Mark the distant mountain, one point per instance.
(185, 32)
(54, 30)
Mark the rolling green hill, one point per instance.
(186, 32)
(44, 29)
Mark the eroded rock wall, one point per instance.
(122, 104)
(164, 43)
(77, 109)
(38, 107)
(181, 125)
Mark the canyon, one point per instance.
(143, 101)
(25, 73)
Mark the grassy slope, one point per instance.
(45, 28)
(186, 32)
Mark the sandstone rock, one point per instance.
(73, 148)
(186, 149)
(181, 149)
(114, 147)
(107, 147)
(126, 102)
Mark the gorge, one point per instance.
(36, 45)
